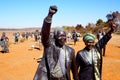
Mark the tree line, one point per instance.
(100, 24)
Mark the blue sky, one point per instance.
(30, 13)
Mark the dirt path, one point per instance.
(21, 63)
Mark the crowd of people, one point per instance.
(20, 37)
(59, 58)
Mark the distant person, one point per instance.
(23, 35)
(89, 59)
(36, 33)
(40, 42)
(74, 36)
(100, 34)
(16, 37)
(27, 35)
(69, 37)
(4, 43)
(58, 58)
(78, 36)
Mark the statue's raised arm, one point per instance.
(47, 25)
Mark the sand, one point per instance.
(21, 62)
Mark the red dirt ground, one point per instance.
(21, 62)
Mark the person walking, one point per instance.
(74, 36)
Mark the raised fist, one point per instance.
(52, 9)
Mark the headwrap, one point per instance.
(89, 36)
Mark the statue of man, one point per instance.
(58, 58)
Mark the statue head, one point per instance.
(60, 37)
(89, 40)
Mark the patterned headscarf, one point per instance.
(89, 36)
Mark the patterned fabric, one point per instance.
(96, 70)
(92, 57)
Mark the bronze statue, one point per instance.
(58, 58)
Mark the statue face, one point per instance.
(61, 37)
(89, 44)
